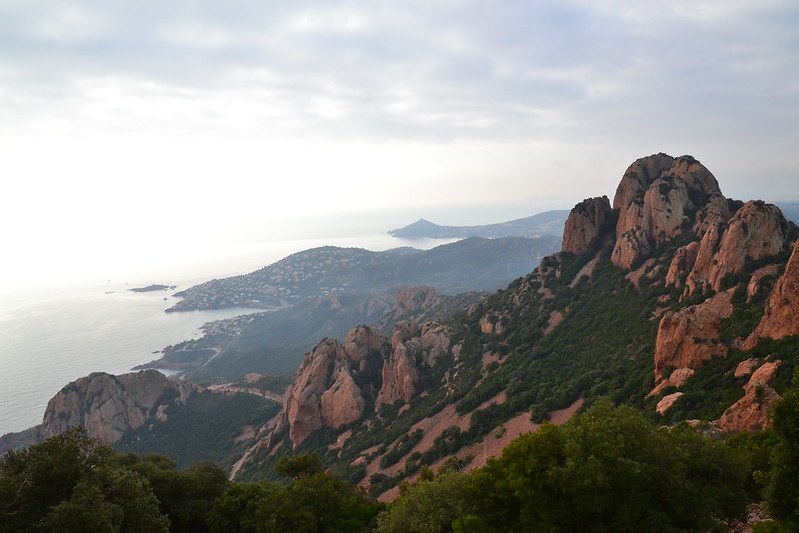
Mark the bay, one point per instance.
(60, 331)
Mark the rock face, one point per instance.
(660, 198)
(586, 222)
(688, 337)
(750, 413)
(324, 392)
(780, 318)
(757, 230)
(333, 384)
(108, 406)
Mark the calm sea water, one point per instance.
(58, 333)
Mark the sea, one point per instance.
(54, 332)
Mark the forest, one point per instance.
(607, 469)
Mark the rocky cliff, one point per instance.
(687, 338)
(660, 198)
(780, 317)
(336, 381)
(586, 223)
(644, 297)
(107, 406)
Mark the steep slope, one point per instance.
(648, 303)
(147, 412)
(108, 406)
(470, 264)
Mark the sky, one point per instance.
(130, 124)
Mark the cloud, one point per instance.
(580, 76)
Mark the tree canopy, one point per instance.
(72, 482)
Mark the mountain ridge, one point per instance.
(597, 318)
(544, 223)
(673, 299)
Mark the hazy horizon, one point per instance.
(131, 131)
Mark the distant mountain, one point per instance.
(471, 264)
(546, 223)
(323, 291)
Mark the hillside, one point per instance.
(467, 265)
(546, 223)
(322, 292)
(674, 300)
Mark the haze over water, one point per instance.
(57, 329)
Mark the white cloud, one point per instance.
(345, 105)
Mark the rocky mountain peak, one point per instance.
(658, 199)
(332, 386)
(108, 406)
(587, 222)
(756, 231)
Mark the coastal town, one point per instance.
(309, 273)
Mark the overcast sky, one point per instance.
(134, 119)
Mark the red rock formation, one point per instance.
(750, 413)
(325, 392)
(359, 342)
(756, 231)
(108, 406)
(667, 401)
(585, 223)
(690, 336)
(399, 370)
(780, 318)
(682, 263)
(659, 197)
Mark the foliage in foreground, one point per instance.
(72, 482)
(313, 501)
(605, 470)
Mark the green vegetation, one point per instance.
(782, 480)
(72, 482)
(607, 469)
(314, 501)
(207, 427)
(184, 496)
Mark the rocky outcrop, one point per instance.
(586, 222)
(660, 198)
(687, 338)
(750, 413)
(324, 392)
(332, 386)
(108, 406)
(756, 231)
(782, 309)
(666, 402)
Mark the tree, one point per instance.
(314, 501)
(427, 506)
(72, 482)
(298, 465)
(782, 482)
(185, 496)
(236, 509)
(608, 470)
